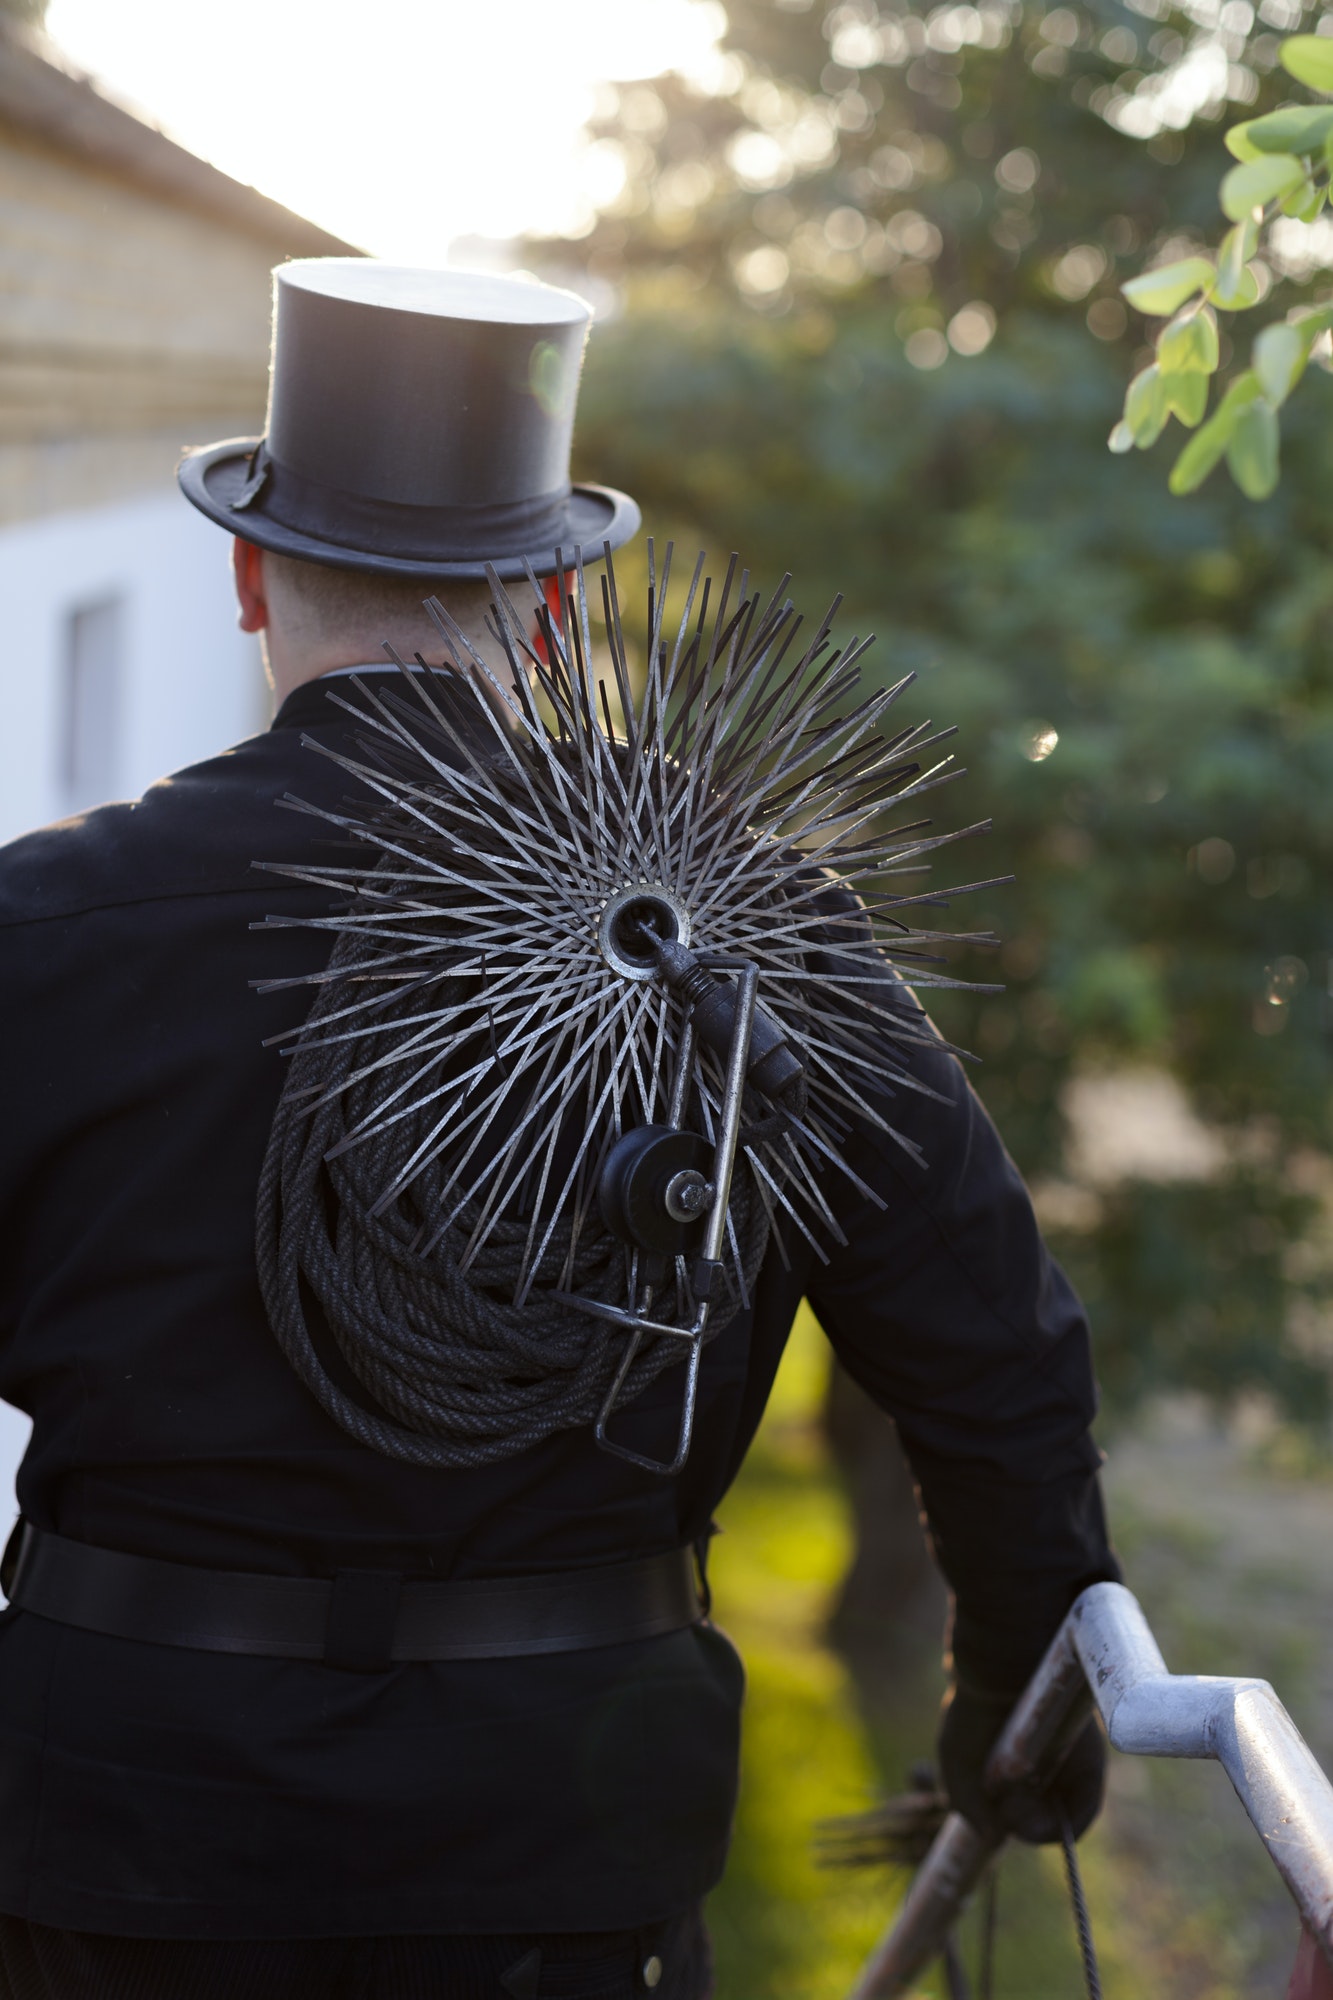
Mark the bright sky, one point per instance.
(399, 124)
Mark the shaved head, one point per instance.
(318, 606)
(312, 619)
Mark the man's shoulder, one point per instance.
(193, 833)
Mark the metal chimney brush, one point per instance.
(612, 981)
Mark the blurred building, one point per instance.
(134, 308)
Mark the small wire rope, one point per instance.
(989, 1920)
(1091, 1976)
(955, 1975)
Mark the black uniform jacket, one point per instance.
(152, 1791)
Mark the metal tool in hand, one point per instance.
(1105, 1654)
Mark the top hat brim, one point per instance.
(214, 479)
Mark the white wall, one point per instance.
(14, 1429)
(192, 683)
(189, 682)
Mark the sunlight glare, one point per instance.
(400, 126)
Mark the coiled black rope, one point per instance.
(444, 1369)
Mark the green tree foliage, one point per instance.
(1284, 164)
(871, 331)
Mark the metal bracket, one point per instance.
(695, 1336)
(634, 1317)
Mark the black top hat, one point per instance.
(419, 424)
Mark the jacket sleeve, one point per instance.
(948, 1309)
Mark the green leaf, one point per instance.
(1235, 286)
(1278, 356)
(1239, 142)
(1252, 453)
(1121, 438)
(1305, 203)
(1202, 453)
(1160, 292)
(1309, 58)
(1206, 447)
(1146, 409)
(1296, 128)
(1187, 396)
(1312, 321)
(1243, 390)
(1239, 295)
(1257, 182)
(1188, 346)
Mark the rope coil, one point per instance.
(461, 1376)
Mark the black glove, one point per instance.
(968, 1729)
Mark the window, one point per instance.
(90, 703)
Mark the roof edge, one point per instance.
(42, 93)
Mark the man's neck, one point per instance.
(289, 669)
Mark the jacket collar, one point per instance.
(309, 706)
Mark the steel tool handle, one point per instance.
(1105, 1651)
(940, 1889)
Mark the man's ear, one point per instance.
(247, 564)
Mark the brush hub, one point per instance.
(643, 906)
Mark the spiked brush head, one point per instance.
(483, 1031)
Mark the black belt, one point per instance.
(360, 1619)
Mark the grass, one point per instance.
(780, 1925)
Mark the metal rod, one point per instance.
(1106, 1652)
(637, 1323)
(680, 1085)
(940, 1889)
(728, 1132)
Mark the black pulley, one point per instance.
(654, 1189)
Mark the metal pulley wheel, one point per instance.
(654, 1189)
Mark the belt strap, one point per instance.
(363, 1620)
